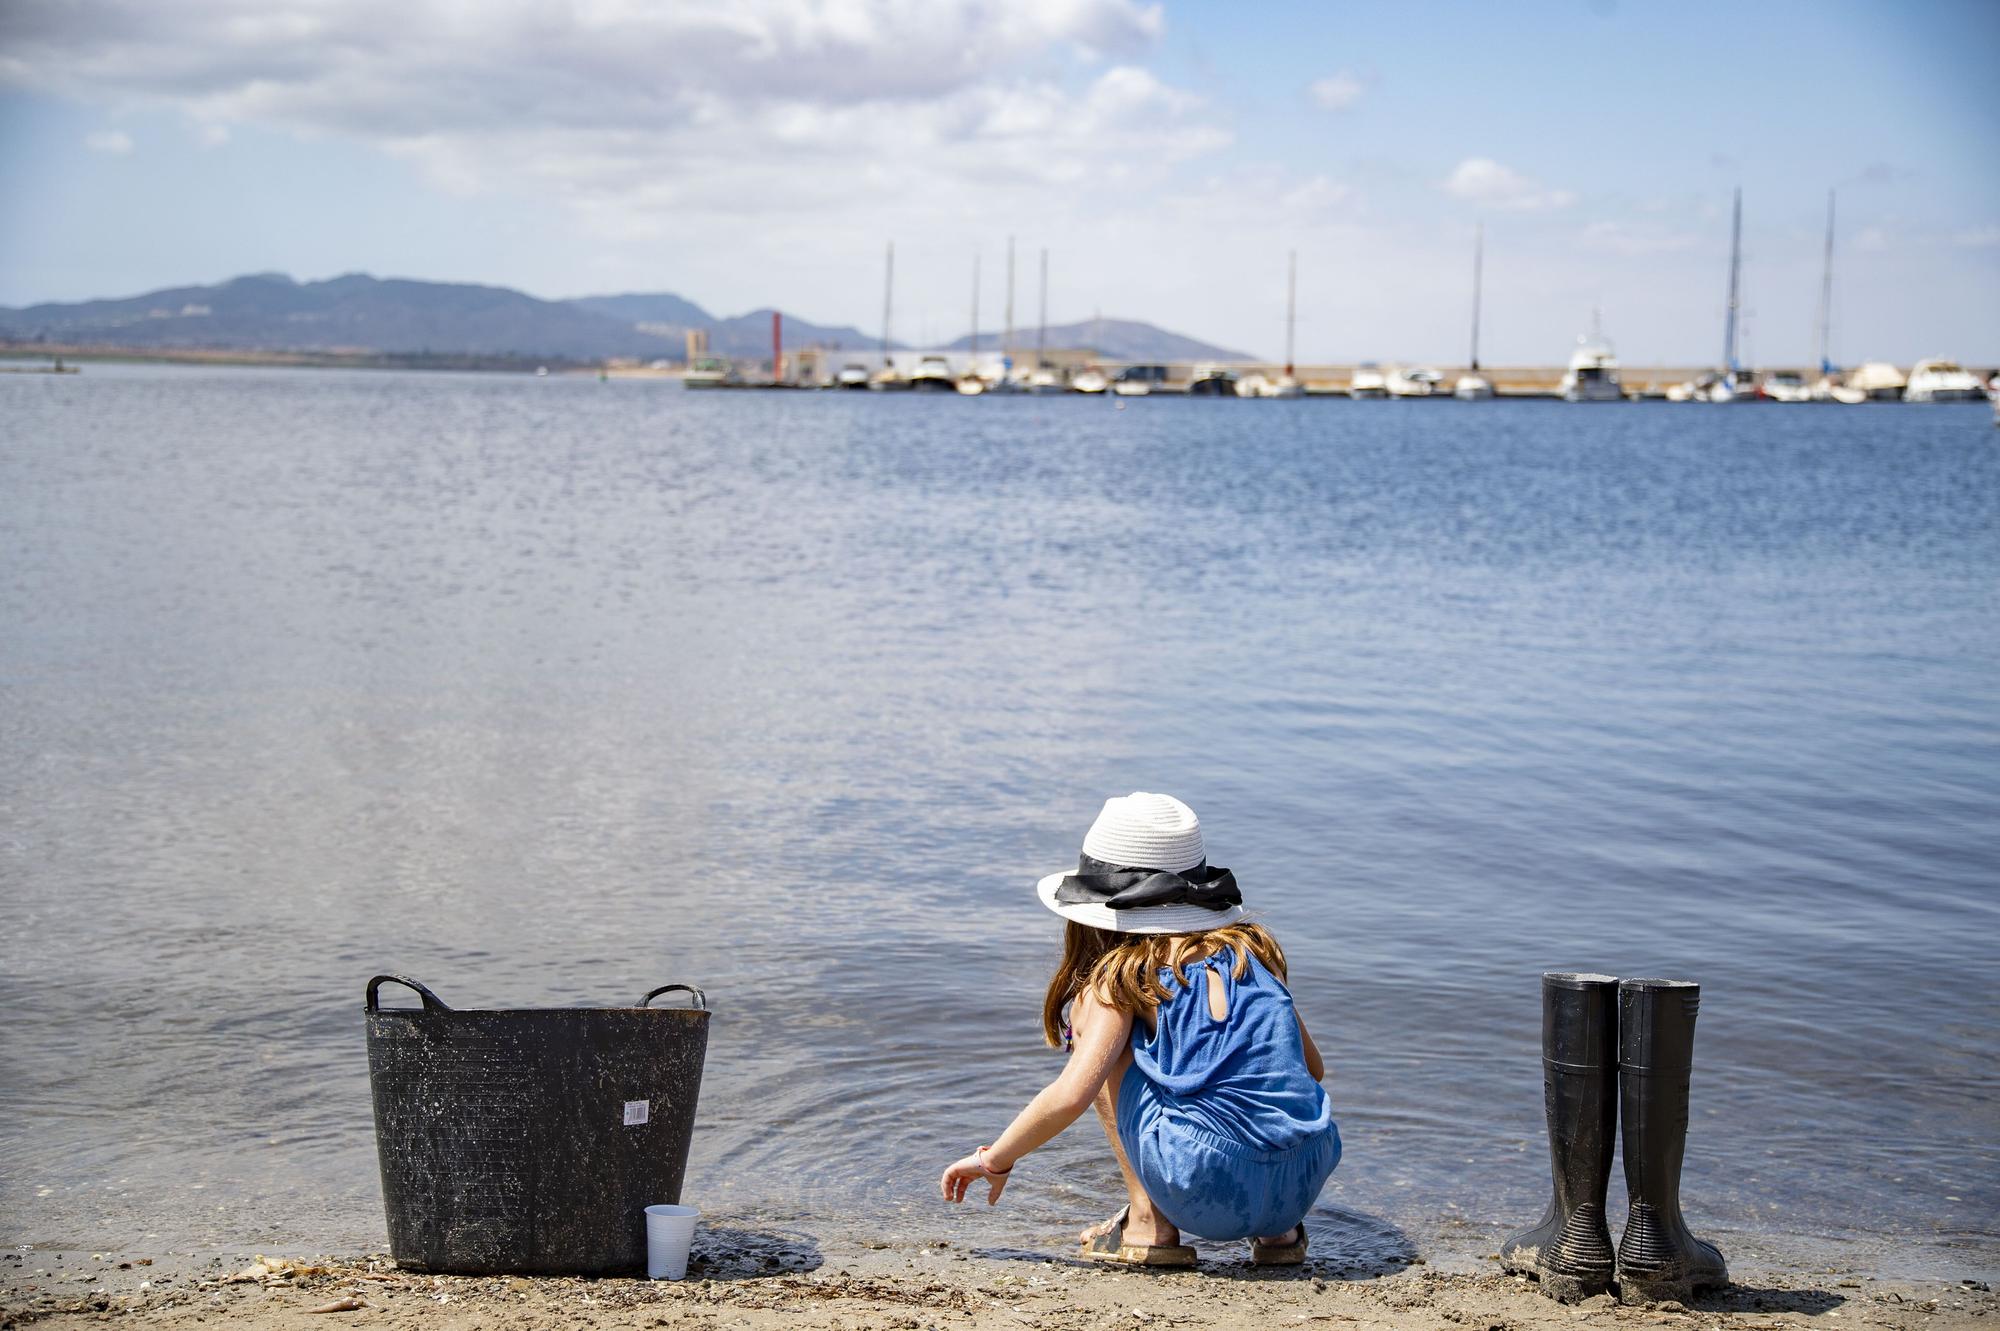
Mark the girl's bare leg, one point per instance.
(1145, 1225)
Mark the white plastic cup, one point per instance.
(669, 1231)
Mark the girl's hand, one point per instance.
(960, 1175)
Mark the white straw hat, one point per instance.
(1148, 847)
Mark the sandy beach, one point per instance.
(924, 1286)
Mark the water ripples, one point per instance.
(548, 692)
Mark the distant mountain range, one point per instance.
(356, 313)
(1113, 339)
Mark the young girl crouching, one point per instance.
(1183, 1035)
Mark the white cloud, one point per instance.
(1978, 238)
(1483, 181)
(1871, 240)
(375, 68)
(639, 115)
(1338, 91)
(113, 141)
(214, 135)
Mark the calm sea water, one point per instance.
(548, 692)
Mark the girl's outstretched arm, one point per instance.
(1102, 1032)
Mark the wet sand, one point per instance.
(770, 1285)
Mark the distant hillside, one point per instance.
(1115, 339)
(750, 334)
(271, 312)
(659, 307)
(663, 313)
(401, 316)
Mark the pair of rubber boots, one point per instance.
(1608, 1045)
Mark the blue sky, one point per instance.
(1168, 155)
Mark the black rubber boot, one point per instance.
(1657, 1257)
(1569, 1252)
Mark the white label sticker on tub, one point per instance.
(636, 1111)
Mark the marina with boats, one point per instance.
(1592, 372)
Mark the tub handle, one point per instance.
(432, 1003)
(700, 999)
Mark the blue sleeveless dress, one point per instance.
(1224, 1126)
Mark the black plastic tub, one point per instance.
(530, 1140)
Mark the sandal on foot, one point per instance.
(1280, 1254)
(1110, 1246)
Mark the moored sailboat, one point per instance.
(886, 379)
(970, 384)
(1472, 385)
(1731, 383)
(1830, 386)
(1286, 384)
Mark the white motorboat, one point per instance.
(1138, 380)
(1878, 381)
(1420, 381)
(1784, 386)
(710, 372)
(1045, 380)
(1088, 381)
(933, 375)
(1592, 374)
(970, 385)
(1367, 381)
(1284, 385)
(852, 376)
(1472, 387)
(1831, 387)
(1212, 381)
(1942, 381)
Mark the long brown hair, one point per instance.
(1123, 970)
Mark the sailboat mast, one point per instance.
(975, 307)
(1042, 324)
(888, 297)
(1007, 338)
(1826, 293)
(1478, 260)
(1735, 274)
(1291, 305)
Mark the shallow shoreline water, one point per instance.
(548, 692)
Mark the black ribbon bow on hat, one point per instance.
(1098, 883)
